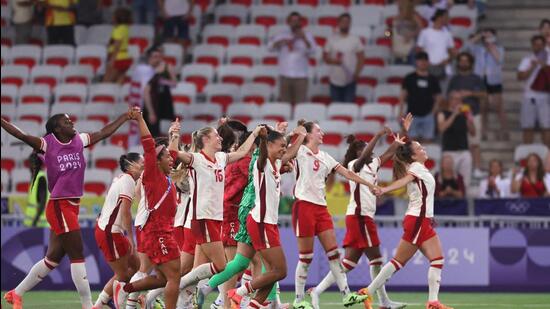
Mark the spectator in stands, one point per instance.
(176, 15)
(158, 98)
(294, 46)
(531, 183)
(119, 60)
(472, 89)
(544, 28)
(438, 42)
(534, 69)
(145, 11)
(344, 52)
(489, 59)
(495, 185)
(432, 6)
(60, 21)
(449, 183)
(405, 29)
(22, 11)
(88, 12)
(420, 91)
(454, 124)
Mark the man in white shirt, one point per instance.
(294, 46)
(22, 11)
(344, 52)
(536, 105)
(438, 42)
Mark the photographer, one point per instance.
(489, 59)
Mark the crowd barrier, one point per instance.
(498, 259)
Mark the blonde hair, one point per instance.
(180, 178)
(196, 137)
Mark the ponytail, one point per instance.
(308, 125)
(355, 145)
(401, 159)
(196, 137)
(270, 136)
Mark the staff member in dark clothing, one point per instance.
(38, 193)
(158, 99)
(454, 123)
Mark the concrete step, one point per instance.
(499, 4)
(527, 13)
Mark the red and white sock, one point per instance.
(385, 273)
(375, 267)
(132, 301)
(245, 289)
(80, 280)
(37, 273)
(329, 278)
(337, 270)
(434, 278)
(246, 277)
(102, 299)
(300, 276)
(203, 271)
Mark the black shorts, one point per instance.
(492, 89)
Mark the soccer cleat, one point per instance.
(314, 298)
(436, 305)
(353, 298)
(392, 305)
(234, 298)
(301, 305)
(12, 298)
(119, 295)
(217, 304)
(367, 302)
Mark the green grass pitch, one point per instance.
(69, 299)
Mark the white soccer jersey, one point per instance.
(362, 201)
(206, 184)
(182, 211)
(312, 170)
(421, 191)
(141, 215)
(267, 187)
(123, 187)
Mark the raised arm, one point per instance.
(292, 151)
(398, 184)
(349, 175)
(174, 133)
(367, 152)
(28, 139)
(388, 154)
(245, 147)
(111, 128)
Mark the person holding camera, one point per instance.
(294, 47)
(454, 124)
(489, 61)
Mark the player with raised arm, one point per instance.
(361, 233)
(63, 149)
(157, 230)
(310, 216)
(418, 232)
(114, 220)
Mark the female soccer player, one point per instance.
(157, 230)
(114, 220)
(361, 233)
(418, 233)
(207, 174)
(262, 220)
(63, 149)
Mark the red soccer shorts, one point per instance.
(179, 235)
(417, 230)
(113, 245)
(123, 65)
(189, 243)
(62, 215)
(310, 219)
(229, 230)
(160, 247)
(263, 235)
(361, 232)
(206, 231)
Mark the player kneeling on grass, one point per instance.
(114, 220)
(418, 233)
